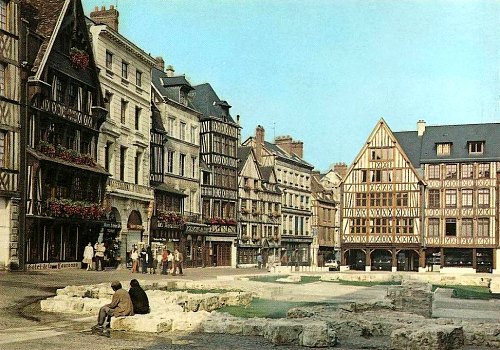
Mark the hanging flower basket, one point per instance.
(79, 58)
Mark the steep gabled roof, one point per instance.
(411, 144)
(209, 104)
(44, 17)
(266, 172)
(243, 154)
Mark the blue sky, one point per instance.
(323, 71)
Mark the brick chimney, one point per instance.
(420, 127)
(285, 142)
(170, 71)
(298, 148)
(340, 168)
(259, 143)
(107, 17)
(160, 63)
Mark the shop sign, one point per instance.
(54, 266)
(135, 227)
(162, 224)
(113, 225)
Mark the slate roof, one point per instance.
(42, 16)
(169, 86)
(243, 154)
(156, 119)
(422, 149)
(266, 172)
(271, 147)
(209, 104)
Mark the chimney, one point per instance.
(340, 168)
(160, 63)
(298, 148)
(107, 17)
(420, 127)
(259, 143)
(285, 142)
(170, 71)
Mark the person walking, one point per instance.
(259, 261)
(170, 263)
(151, 261)
(164, 262)
(139, 298)
(88, 256)
(99, 254)
(121, 305)
(178, 259)
(144, 260)
(134, 255)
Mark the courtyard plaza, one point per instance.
(24, 326)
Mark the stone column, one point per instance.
(368, 260)
(394, 260)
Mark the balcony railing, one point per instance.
(114, 184)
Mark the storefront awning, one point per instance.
(95, 169)
(170, 189)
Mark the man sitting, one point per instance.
(121, 305)
(139, 298)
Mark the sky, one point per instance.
(325, 71)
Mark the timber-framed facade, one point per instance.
(382, 208)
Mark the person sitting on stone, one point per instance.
(121, 305)
(139, 298)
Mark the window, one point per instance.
(123, 152)
(376, 175)
(107, 155)
(109, 60)
(381, 199)
(434, 172)
(381, 226)
(402, 199)
(182, 98)
(182, 131)
(483, 227)
(483, 170)
(182, 161)
(434, 200)
(59, 91)
(404, 225)
(381, 154)
(476, 147)
(443, 149)
(466, 230)
(361, 199)
(72, 95)
(451, 198)
(483, 197)
(124, 70)
(171, 126)
(193, 167)
(137, 117)
(193, 134)
(137, 168)
(363, 175)
(451, 227)
(358, 225)
(467, 171)
(138, 78)
(451, 171)
(123, 111)
(467, 197)
(3, 148)
(2, 78)
(3, 14)
(170, 161)
(433, 229)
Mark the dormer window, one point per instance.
(476, 147)
(443, 149)
(182, 98)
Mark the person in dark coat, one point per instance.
(139, 298)
(144, 260)
(151, 261)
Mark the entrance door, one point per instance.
(222, 253)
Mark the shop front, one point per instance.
(195, 247)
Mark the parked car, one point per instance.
(332, 264)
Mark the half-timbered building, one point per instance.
(172, 95)
(259, 218)
(219, 188)
(382, 207)
(123, 148)
(460, 167)
(9, 134)
(293, 175)
(65, 185)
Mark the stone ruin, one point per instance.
(400, 321)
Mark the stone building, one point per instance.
(293, 175)
(259, 218)
(219, 166)
(324, 225)
(178, 195)
(9, 134)
(123, 149)
(65, 185)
